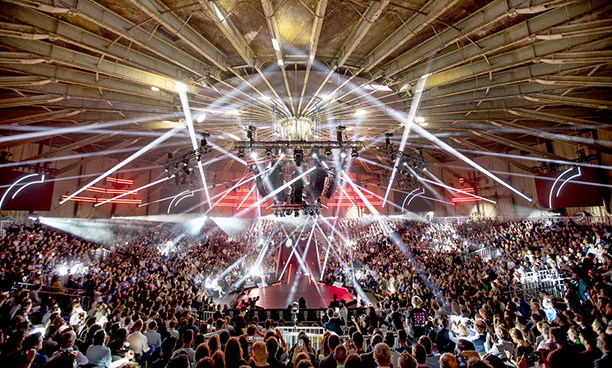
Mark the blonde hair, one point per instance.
(259, 352)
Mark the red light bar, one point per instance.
(108, 191)
(98, 200)
(464, 199)
(468, 190)
(120, 181)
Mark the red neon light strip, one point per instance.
(120, 181)
(468, 189)
(98, 200)
(346, 204)
(464, 199)
(108, 191)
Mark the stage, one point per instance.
(298, 270)
(280, 295)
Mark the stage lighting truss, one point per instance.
(181, 166)
(320, 183)
(409, 163)
(286, 210)
(296, 146)
(38, 168)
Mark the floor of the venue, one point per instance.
(297, 272)
(278, 296)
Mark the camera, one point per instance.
(534, 357)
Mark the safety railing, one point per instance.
(315, 335)
(485, 253)
(63, 296)
(548, 274)
(554, 288)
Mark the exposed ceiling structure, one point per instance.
(503, 74)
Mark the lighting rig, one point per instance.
(308, 185)
(407, 161)
(180, 166)
(38, 168)
(549, 167)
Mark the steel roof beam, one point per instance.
(88, 159)
(56, 29)
(106, 19)
(482, 19)
(513, 162)
(518, 146)
(45, 116)
(29, 101)
(410, 29)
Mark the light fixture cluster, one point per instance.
(180, 166)
(305, 210)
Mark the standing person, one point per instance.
(417, 319)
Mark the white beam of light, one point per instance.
(275, 191)
(416, 100)
(134, 191)
(361, 195)
(432, 138)
(459, 190)
(182, 91)
(137, 154)
(245, 198)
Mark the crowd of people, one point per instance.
(138, 302)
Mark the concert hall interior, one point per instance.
(305, 183)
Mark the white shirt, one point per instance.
(138, 343)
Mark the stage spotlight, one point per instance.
(186, 170)
(314, 153)
(328, 152)
(296, 213)
(253, 154)
(339, 130)
(287, 212)
(251, 132)
(241, 153)
(343, 154)
(354, 153)
(268, 152)
(201, 117)
(169, 155)
(298, 156)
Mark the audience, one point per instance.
(449, 295)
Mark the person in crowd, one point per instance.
(98, 354)
(167, 349)
(153, 337)
(259, 355)
(66, 343)
(187, 347)
(137, 340)
(136, 282)
(382, 355)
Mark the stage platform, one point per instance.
(278, 296)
